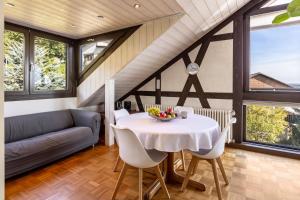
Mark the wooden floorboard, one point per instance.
(88, 175)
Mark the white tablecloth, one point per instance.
(194, 133)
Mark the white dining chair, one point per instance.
(189, 110)
(212, 156)
(134, 154)
(117, 115)
(120, 113)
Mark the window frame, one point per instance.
(106, 36)
(26, 60)
(261, 92)
(118, 37)
(279, 96)
(275, 146)
(29, 93)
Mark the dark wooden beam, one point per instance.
(199, 90)
(293, 97)
(186, 59)
(208, 95)
(139, 103)
(185, 91)
(158, 89)
(202, 52)
(225, 36)
(238, 78)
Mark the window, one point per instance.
(36, 64)
(271, 78)
(276, 3)
(50, 64)
(14, 60)
(275, 125)
(90, 51)
(274, 54)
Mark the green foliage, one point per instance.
(50, 64)
(265, 124)
(293, 10)
(50, 59)
(14, 44)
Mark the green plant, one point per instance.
(293, 10)
(265, 123)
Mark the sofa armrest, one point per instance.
(88, 119)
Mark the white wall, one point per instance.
(14, 108)
(215, 75)
(1, 104)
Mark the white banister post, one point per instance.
(109, 108)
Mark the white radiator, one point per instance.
(221, 116)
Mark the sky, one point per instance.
(276, 53)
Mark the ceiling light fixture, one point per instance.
(136, 5)
(10, 4)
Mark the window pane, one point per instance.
(274, 54)
(276, 125)
(50, 64)
(88, 52)
(276, 3)
(14, 60)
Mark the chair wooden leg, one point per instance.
(117, 163)
(161, 180)
(214, 168)
(222, 170)
(195, 168)
(141, 184)
(182, 159)
(120, 179)
(189, 173)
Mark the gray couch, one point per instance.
(37, 139)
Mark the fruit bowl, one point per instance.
(167, 115)
(162, 118)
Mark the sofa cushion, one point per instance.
(53, 140)
(27, 126)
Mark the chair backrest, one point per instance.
(131, 149)
(120, 113)
(179, 109)
(219, 146)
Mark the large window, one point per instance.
(271, 90)
(36, 64)
(275, 125)
(274, 54)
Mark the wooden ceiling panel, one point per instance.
(77, 18)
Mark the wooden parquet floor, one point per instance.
(88, 175)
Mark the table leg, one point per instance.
(171, 176)
(174, 177)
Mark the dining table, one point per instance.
(194, 133)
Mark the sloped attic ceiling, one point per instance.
(200, 17)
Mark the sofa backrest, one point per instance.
(27, 126)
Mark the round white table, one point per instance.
(194, 133)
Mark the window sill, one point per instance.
(38, 96)
(266, 149)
